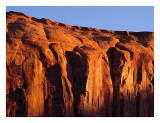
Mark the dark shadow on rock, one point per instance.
(79, 67)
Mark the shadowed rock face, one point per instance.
(54, 69)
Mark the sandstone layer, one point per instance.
(55, 69)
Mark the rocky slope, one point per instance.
(54, 69)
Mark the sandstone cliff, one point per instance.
(54, 69)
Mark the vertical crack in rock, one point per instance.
(66, 87)
(78, 61)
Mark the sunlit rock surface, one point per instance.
(54, 69)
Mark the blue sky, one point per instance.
(121, 18)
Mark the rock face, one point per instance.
(54, 69)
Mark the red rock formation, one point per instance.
(54, 69)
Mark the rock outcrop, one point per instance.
(54, 69)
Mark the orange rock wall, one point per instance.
(54, 69)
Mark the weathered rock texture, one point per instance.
(54, 69)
